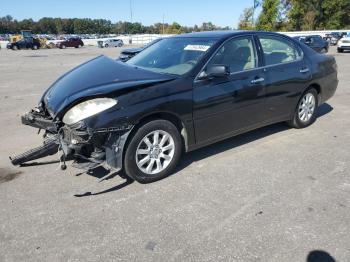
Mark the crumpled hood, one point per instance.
(99, 76)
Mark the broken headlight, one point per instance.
(87, 109)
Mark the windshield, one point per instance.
(172, 55)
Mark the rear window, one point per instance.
(278, 50)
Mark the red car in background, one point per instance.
(71, 42)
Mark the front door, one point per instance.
(223, 106)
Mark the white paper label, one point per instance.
(202, 48)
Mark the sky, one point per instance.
(190, 12)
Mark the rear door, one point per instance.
(287, 74)
(223, 106)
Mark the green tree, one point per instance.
(319, 14)
(268, 17)
(336, 13)
(174, 28)
(246, 19)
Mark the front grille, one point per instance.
(69, 134)
(83, 136)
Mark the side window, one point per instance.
(239, 54)
(277, 50)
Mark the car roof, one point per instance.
(221, 34)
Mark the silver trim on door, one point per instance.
(304, 70)
(256, 81)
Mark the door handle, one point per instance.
(304, 70)
(257, 80)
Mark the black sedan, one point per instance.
(180, 94)
(26, 43)
(316, 42)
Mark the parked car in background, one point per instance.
(316, 42)
(110, 43)
(178, 95)
(334, 37)
(126, 54)
(71, 42)
(343, 44)
(25, 43)
(331, 39)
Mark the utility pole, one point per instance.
(253, 13)
(163, 25)
(130, 12)
(130, 40)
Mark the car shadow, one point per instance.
(242, 139)
(100, 173)
(324, 109)
(319, 256)
(204, 152)
(112, 189)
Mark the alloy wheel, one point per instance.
(307, 107)
(155, 152)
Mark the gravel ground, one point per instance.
(274, 194)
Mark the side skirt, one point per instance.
(238, 132)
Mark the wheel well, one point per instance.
(161, 115)
(317, 87)
(171, 118)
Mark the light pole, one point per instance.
(253, 13)
(130, 40)
(130, 12)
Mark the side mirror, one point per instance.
(215, 71)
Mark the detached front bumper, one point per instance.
(87, 146)
(38, 120)
(91, 147)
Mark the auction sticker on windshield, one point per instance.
(202, 48)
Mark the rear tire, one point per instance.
(106, 45)
(15, 48)
(63, 47)
(148, 157)
(305, 112)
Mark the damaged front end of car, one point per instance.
(88, 147)
(83, 114)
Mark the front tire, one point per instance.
(153, 151)
(340, 50)
(305, 112)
